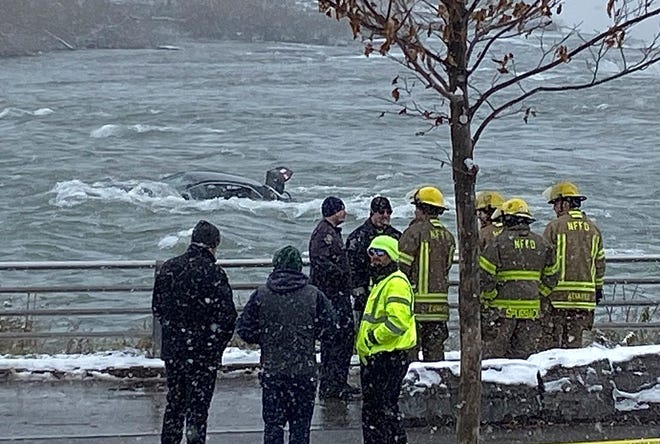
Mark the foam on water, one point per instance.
(18, 112)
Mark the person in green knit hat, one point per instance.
(285, 317)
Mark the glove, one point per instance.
(359, 297)
(363, 347)
(599, 295)
(358, 292)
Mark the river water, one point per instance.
(83, 133)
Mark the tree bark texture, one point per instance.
(464, 175)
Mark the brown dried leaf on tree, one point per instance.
(478, 17)
(368, 49)
(528, 112)
(502, 69)
(412, 33)
(615, 38)
(396, 94)
(442, 11)
(520, 9)
(562, 53)
(385, 47)
(620, 37)
(411, 54)
(610, 7)
(355, 25)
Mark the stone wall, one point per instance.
(584, 385)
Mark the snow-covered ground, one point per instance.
(502, 371)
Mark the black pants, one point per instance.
(336, 351)
(287, 399)
(431, 337)
(381, 378)
(189, 392)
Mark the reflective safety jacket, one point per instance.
(487, 233)
(581, 258)
(517, 268)
(388, 322)
(426, 252)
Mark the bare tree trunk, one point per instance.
(464, 174)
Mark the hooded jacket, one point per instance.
(285, 317)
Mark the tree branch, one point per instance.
(496, 112)
(559, 61)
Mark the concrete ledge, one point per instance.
(591, 384)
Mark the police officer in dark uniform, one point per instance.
(357, 244)
(285, 317)
(330, 273)
(193, 302)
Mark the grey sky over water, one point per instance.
(592, 16)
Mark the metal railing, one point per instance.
(229, 264)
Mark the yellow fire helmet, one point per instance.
(429, 195)
(562, 189)
(514, 207)
(485, 199)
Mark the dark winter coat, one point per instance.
(329, 269)
(193, 301)
(357, 244)
(285, 317)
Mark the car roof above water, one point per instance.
(190, 178)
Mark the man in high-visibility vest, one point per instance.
(581, 258)
(517, 269)
(486, 202)
(426, 252)
(387, 334)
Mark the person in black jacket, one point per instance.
(330, 272)
(285, 317)
(357, 244)
(193, 302)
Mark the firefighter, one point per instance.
(579, 246)
(330, 273)
(517, 269)
(486, 203)
(356, 246)
(387, 334)
(426, 252)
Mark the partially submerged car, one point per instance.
(199, 185)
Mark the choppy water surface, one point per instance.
(77, 127)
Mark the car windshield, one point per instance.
(215, 190)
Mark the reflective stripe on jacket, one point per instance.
(426, 252)
(517, 268)
(388, 322)
(581, 260)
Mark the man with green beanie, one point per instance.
(285, 317)
(387, 334)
